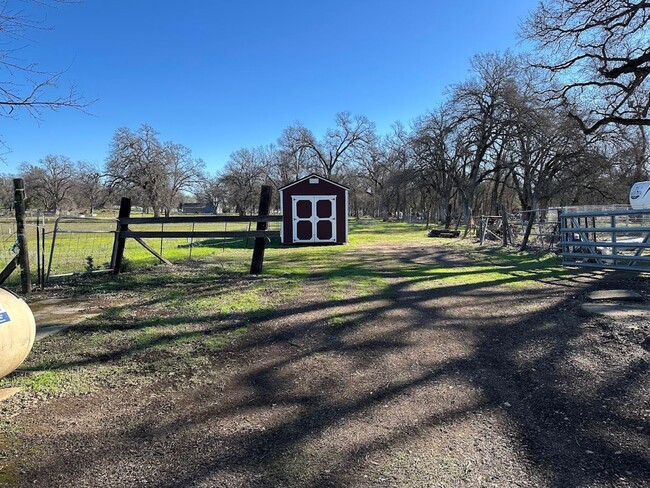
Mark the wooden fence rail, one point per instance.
(260, 234)
(208, 219)
(197, 234)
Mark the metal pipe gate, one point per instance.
(606, 239)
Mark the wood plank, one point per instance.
(199, 234)
(151, 250)
(260, 242)
(21, 238)
(210, 219)
(120, 239)
(6, 273)
(614, 296)
(69, 275)
(444, 233)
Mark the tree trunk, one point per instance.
(448, 216)
(468, 217)
(505, 226)
(529, 228)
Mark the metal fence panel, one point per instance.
(614, 238)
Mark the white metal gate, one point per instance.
(314, 218)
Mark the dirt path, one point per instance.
(466, 384)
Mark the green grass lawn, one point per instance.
(81, 245)
(84, 245)
(171, 320)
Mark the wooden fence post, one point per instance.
(120, 240)
(260, 242)
(21, 239)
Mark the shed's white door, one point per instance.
(314, 218)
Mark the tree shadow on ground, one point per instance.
(421, 376)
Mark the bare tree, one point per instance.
(50, 182)
(273, 165)
(295, 160)
(25, 86)
(340, 145)
(212, 189)
(438, 157)
(541, 142)
(479, 106)
(138, 160)
(6, 192)
(90, 189)
(374, 171)
(242, 177)
(598, 51)
(182, 173)
(632, 154)
(392, 171)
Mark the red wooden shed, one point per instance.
(314, 210)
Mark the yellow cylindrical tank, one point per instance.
(17, 332)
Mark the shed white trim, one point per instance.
(313, 219)
(281, 223)
(347, 217)
(313, 175)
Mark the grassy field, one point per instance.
(173, 310)
(394, 360)
(86, 244)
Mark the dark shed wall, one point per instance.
(305, 188)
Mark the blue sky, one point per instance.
(220, 75)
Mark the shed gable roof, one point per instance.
(313, 175)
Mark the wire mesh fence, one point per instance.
(34, 223)
(86, 245)
(79, 245)
(8, 247)
(64, 246)
(544, 232)
(179, 249)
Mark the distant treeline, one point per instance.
(563, 125)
